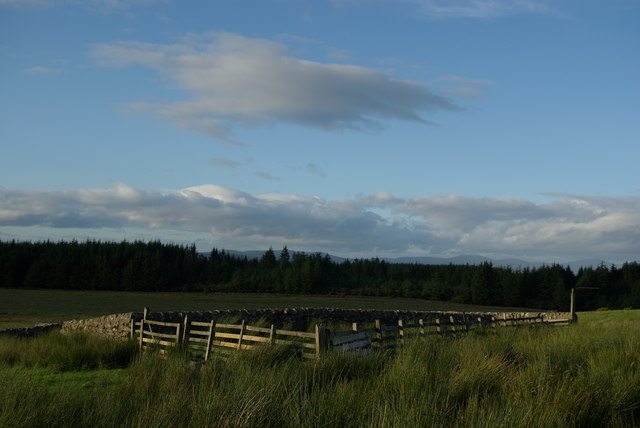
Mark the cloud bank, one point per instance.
(569, 227)
(230, 80)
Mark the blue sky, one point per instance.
(357, 127)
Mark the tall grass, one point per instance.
(585, 375)
(64, 352)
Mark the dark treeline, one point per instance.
(154, 266)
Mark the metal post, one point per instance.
(572, 309)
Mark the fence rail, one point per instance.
(201, 339)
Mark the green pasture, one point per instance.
(583, 375)
(77, 381)
(22, 308)
(610, 316)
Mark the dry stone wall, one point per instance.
(116, 326)
(31, 331)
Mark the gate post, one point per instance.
(322, 342)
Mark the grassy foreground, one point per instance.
(586, 375)
(23, 308)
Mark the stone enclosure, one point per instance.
(118, 326)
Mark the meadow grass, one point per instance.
(610, 315)
(584, 375)
(66, 352)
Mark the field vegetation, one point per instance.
(584, 375)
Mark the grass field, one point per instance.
(22, 308)
(610, 316)
(584, 375)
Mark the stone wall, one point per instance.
(546, 316)
(116, 326)
(31, 331)
(119, 325)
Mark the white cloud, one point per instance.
(463, 87)
(464, 8)
(232, 80)
(21, 3)
(312, 168)
(265, 175)
(39, 69)
(100, 5)
(480, 8)
(569, 227)
(229, 163)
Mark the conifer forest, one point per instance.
(155, 266)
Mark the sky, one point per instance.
(362, 128)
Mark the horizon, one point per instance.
(416, 128)
(470, 259)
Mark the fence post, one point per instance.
(354, 327)
(401, 331)
(421, 331)
(454, 330)
(321, 340)
(145, 312)
(212, 333)
(133, 332)
(438, 328)
(378, 329)
(272, 335)
(240, 337)
(178, 335)
(185, 329)
(141, 332)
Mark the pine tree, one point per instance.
(268, 260)
(284, 258)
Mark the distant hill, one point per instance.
(463, 260)
(457, 260)
(512, 263)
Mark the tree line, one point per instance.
(154, 266)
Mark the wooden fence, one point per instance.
(390, 336)
(158, 335)
(201, 339)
